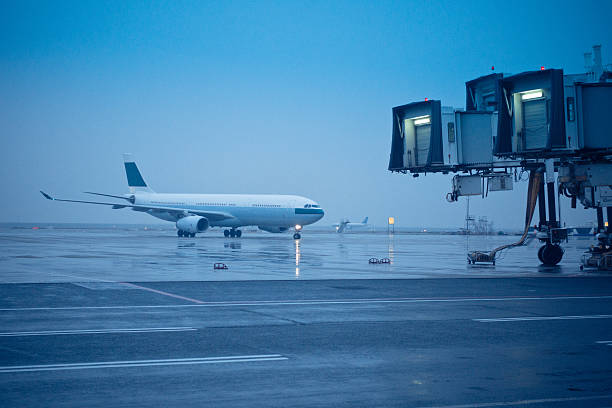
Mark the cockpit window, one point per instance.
(306, 205)
(315, 206)
(311, 206)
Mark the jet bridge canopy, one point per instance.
(417, 137)
(532, 114)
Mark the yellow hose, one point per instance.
(535, 180)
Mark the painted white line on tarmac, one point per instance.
(96, 331)
(523, 402)
(539, 318)
(142, 363)
(314, 302)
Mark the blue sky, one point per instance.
(257, 97)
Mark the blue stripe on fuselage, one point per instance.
(309, 211)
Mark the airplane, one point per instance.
(195, 213)
(346, 224)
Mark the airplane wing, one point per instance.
(211, 215)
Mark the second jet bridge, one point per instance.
(428, 137)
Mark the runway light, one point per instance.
(391, 220)
(422, 121)
(298, 227)
(606, 224)
(531, 95)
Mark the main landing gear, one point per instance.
(297, 235)
(185, 234)
(232, 233)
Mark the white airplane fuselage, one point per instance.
(266, 210)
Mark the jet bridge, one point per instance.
(539, 121)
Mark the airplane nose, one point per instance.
(322, 214)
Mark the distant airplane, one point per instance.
(347, 225)
(195, 213)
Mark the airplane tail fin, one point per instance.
(365, 220)
(134, 178)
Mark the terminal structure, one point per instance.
(554, 126)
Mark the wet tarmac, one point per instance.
(129, 317)
(81, 254)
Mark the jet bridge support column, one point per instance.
(550, 186)
(551, 252)
(600, 220)
(542, 205)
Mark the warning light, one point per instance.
(426, 99)
(542, 68)
(606, 224)
(492, 67)
(391, 220)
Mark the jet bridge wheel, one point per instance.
(550, 254)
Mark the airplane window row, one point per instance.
(166, 203)
(217, 204)
(266, 205)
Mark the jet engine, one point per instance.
(193, 224)
(274, 230)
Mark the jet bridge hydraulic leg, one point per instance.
(550, 234)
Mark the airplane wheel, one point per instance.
(540, 253)
(297, 236)
(192, 235)
(552, 254)
(179, 233)
(226, 233)
(238, 233)
(232, 233)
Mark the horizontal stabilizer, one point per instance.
(130, 199)
(47, 196)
